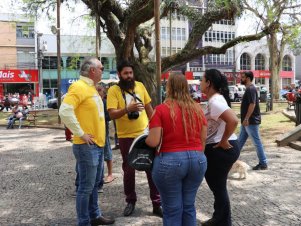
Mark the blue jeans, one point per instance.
(89, 160)
(253, 132)
(177, 176)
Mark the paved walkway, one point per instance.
(37, 177)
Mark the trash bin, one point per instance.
(263, 96)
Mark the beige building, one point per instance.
(8, 45)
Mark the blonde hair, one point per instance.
(177, 94)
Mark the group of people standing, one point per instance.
(195, 144)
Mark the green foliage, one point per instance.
(75, 60)
(294, 40)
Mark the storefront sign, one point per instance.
(267, 74)
(19, 76)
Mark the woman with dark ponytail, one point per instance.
(221, 144)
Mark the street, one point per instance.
(37, 178)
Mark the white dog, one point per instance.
(240, 168)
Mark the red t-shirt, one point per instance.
(174, 139)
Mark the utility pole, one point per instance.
(98, 43)
(234, 66)
(58, 41)
(158, 49)
(170, 31)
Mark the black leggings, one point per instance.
(219, 164)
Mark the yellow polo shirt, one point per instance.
(84, 102)
(127, 128)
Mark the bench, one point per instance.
(31, 119)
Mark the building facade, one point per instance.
(254, 56)
(73, 50)
(18, 71)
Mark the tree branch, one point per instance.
(187, 54)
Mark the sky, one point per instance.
(71, 22)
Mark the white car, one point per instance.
(236, 92)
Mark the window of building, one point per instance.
(259, 62)
(19, 32)
(219, 36)
(286, 82)
(50, 62)
(173, 33)
(223, 59)
(74, 62)
(179, 35)
(173, 50)
(245, 62)
(105, 63)
(183, 34)
(114, 64)
(287, 63)
(25, 31)
(163, 33)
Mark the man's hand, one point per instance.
(245, 122)
(135, 106)
(88, 138)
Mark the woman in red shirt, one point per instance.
(180, 165)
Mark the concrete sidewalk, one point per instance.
(37, 177)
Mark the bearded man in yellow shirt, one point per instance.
(129, 104)
(83, 113)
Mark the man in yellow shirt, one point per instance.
(130, 105)
(82, 112)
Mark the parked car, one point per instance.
(52, 103)
(236, 92)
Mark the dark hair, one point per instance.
(122, 64)
(249, 74)
(219, 83)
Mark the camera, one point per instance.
(133, 115)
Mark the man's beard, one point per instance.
(243, 82)
(126, 84)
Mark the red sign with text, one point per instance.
(19, 76)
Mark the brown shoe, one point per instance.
(102, 221)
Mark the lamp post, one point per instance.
(58, 40)
(39, 61)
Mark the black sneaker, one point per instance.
(260, 167)
(157, 210)
(129, 209)
(210, 222)
(102, 221)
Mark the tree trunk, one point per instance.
(145, 73)
(274, 67)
